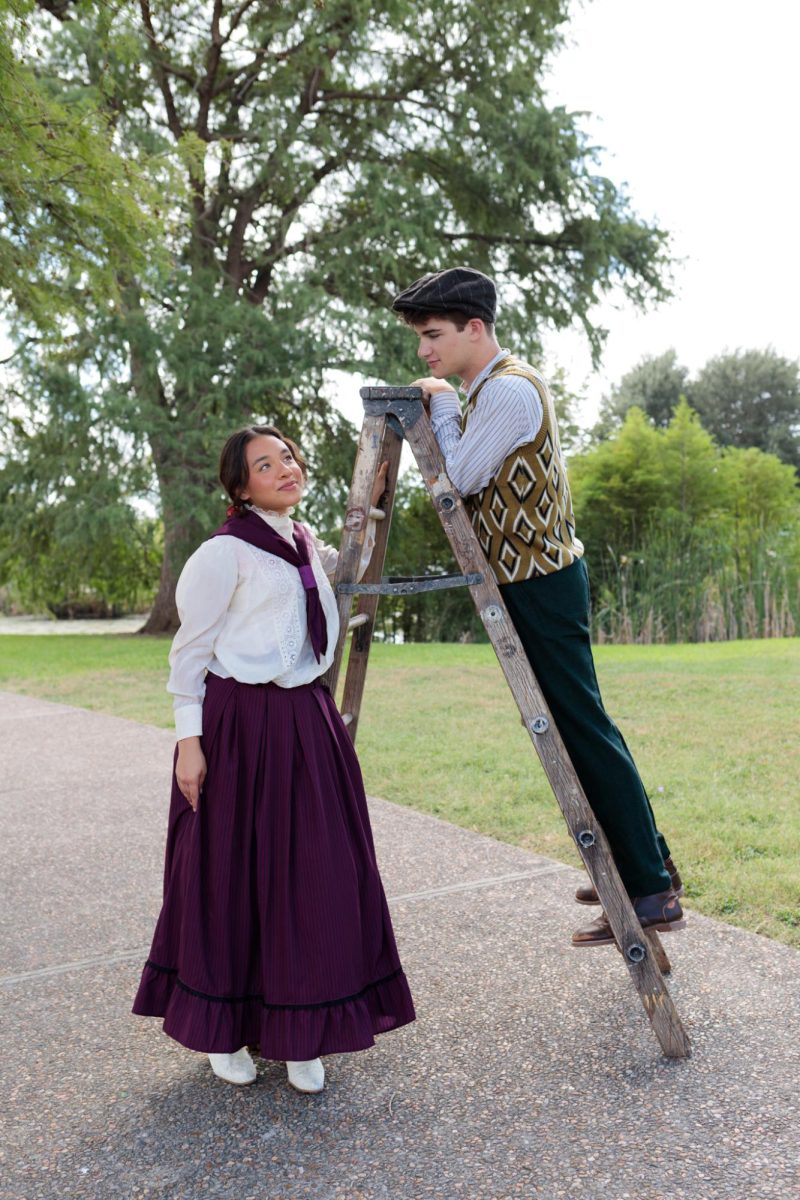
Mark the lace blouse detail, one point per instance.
(283, 581)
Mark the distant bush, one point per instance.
(686, 541)
(82, 561)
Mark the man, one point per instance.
(504, 457)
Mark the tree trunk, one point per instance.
(184, 530)
(164, 613)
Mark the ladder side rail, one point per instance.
(355, 531)
(583, 824)
(361, 642)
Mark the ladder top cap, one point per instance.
(391, 393)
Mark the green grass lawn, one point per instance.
(714, 729)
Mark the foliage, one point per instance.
(655, 385)
(687, 541)
(328, 154)
(71, 540)
(745, 398)
(572, 433)
(616, 485)
(752, 398)
(73, 213)
(418, 546)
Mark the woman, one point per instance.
(274, 929)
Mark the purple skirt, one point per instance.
(274, 929)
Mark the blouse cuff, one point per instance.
(189, 721)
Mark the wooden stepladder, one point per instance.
(392, 414)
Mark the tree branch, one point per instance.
(58, 8)
(233, 259)
(205, 88)
(173, 120)
(265, 265)
(236, 18)
(180, 73)
(252, 69)
(555, 241)
(28, 341)
(382, 97)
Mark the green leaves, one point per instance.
(72, 536)
(752, 398)
(73, 212)
(745, 398)
(687, 540)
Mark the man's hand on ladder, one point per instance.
(430, 387)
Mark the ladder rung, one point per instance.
(358, 619)
(347, 718)
(376, 514)
(406, 585)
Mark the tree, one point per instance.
(72, 539)
(617, 485)
(330, 153)
(73, 213)
(655, 385)
(689, 467)
(761, 495)
(752, 398)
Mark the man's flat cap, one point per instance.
(460, 288)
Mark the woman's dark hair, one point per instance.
(233, 470)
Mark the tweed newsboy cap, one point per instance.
(459, 288)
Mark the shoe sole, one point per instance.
(659, 927)
(234, 1082)
(595, 902)
(307, 1091)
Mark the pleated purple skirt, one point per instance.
(274, 929)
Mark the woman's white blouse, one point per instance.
(243, 614)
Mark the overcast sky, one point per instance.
(697, 103)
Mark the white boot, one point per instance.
(234, 1068)
(308, 1076)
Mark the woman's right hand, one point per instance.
(190, 769)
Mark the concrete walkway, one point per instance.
(530, 1072)
(45, 625)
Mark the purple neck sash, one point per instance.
(251, 528)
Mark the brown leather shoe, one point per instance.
(587, 895)
(661, 911)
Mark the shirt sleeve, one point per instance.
(329, 555)
(203, 595)
(508, 414)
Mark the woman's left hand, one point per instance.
(379, 486)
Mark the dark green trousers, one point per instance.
(551, 616)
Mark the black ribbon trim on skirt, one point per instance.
(249, 999)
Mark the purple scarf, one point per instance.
(251, 528)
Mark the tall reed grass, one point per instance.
(696, 584)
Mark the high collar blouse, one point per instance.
(243, 614)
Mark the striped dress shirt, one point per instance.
(508, 414)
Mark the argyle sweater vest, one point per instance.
(523, 517)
